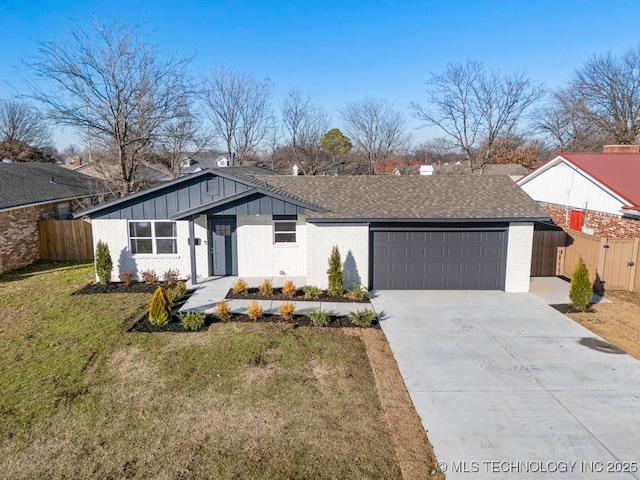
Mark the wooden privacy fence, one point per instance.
(612, 262)
(65, 240)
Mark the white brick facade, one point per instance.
(519, 257)
(259, 255)
(352, 241)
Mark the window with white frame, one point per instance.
(154, 238)
(284, 228)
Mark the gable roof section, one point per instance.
(23, 184)
(617, 172)
(444, 198)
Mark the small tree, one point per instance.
(581, 290)
(104, 264)
(159, 308)
(335, 273)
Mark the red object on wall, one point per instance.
(576, 217)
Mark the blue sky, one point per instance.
(341, 51)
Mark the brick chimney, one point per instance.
(76, 161)
(620, 149)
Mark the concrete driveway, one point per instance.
(507, 387)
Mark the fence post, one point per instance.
(634, 267)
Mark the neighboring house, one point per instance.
(196, 162)
(397, 166)
(515, 171)
(419, 232)
(147, 175)
(30, 192)
(596, 193)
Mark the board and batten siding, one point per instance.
(116, 235)
(562, 184)
(195, 193)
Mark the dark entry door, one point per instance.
(223, 246)
(439, 260)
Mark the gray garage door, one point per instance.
(439, 260)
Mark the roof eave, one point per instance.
(423, 220)
(45, 202)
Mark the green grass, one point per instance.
(82, 398)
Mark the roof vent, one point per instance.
(296, 170)
(621, 149)
(426, 169)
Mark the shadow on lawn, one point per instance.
(42, 267)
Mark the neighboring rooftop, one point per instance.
(411, 197)
(28, 183)
(146, 174)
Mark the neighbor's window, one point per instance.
(153, 237)
(284, 228)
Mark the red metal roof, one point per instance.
(619, 172)
(387, 166)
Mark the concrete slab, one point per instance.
(555, 291)
(504, 377)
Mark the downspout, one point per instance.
(192, 252)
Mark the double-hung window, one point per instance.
(155, 238)
(284, 228)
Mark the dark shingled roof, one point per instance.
(23, 184)
(419, 197)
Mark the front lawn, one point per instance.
(82, 398)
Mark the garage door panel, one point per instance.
(439, 259)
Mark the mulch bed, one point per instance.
(254, 294)
(568, 308)
(135, 287)
(143, 324)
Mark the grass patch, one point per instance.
(82, 398)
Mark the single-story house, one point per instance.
(596, 193)
(29, 192)
(393, 232)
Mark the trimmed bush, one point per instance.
(311, 292)
(127, 277)
(255, 311)
(104, 264)
(287, 310)
(240, 287)
(357, 293)
(171, 277)
(362, 318)
(320, 318)
(581, 291)
(192, 320)
(176, 292)
(223, 311)
(159, 309)
(149, 276)
(336, 277)
(289, 289)
(266, 288)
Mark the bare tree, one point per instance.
(20, 122)
(107, 81)
(239, 107)
(473, 107)
(304, 125)
(376, 128)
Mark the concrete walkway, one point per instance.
(212, 291)
(499, 377)
(555, 291)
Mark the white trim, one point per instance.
(153, 238)
(46, 202)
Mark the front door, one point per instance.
(223, 246)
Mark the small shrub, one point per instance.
(255, 311)
(127, 277)
(159, 309)
(581, 291)
(176, 292)
(104, 264)
(223, 311)
(289, 289)
(192, 320)
(171, 277)
(240, 287)
(362, 318)
(357, 293)
(149, 276)
(320, 318)
(286, 311)
(336, 276)
(311, 292)
(266, 288)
